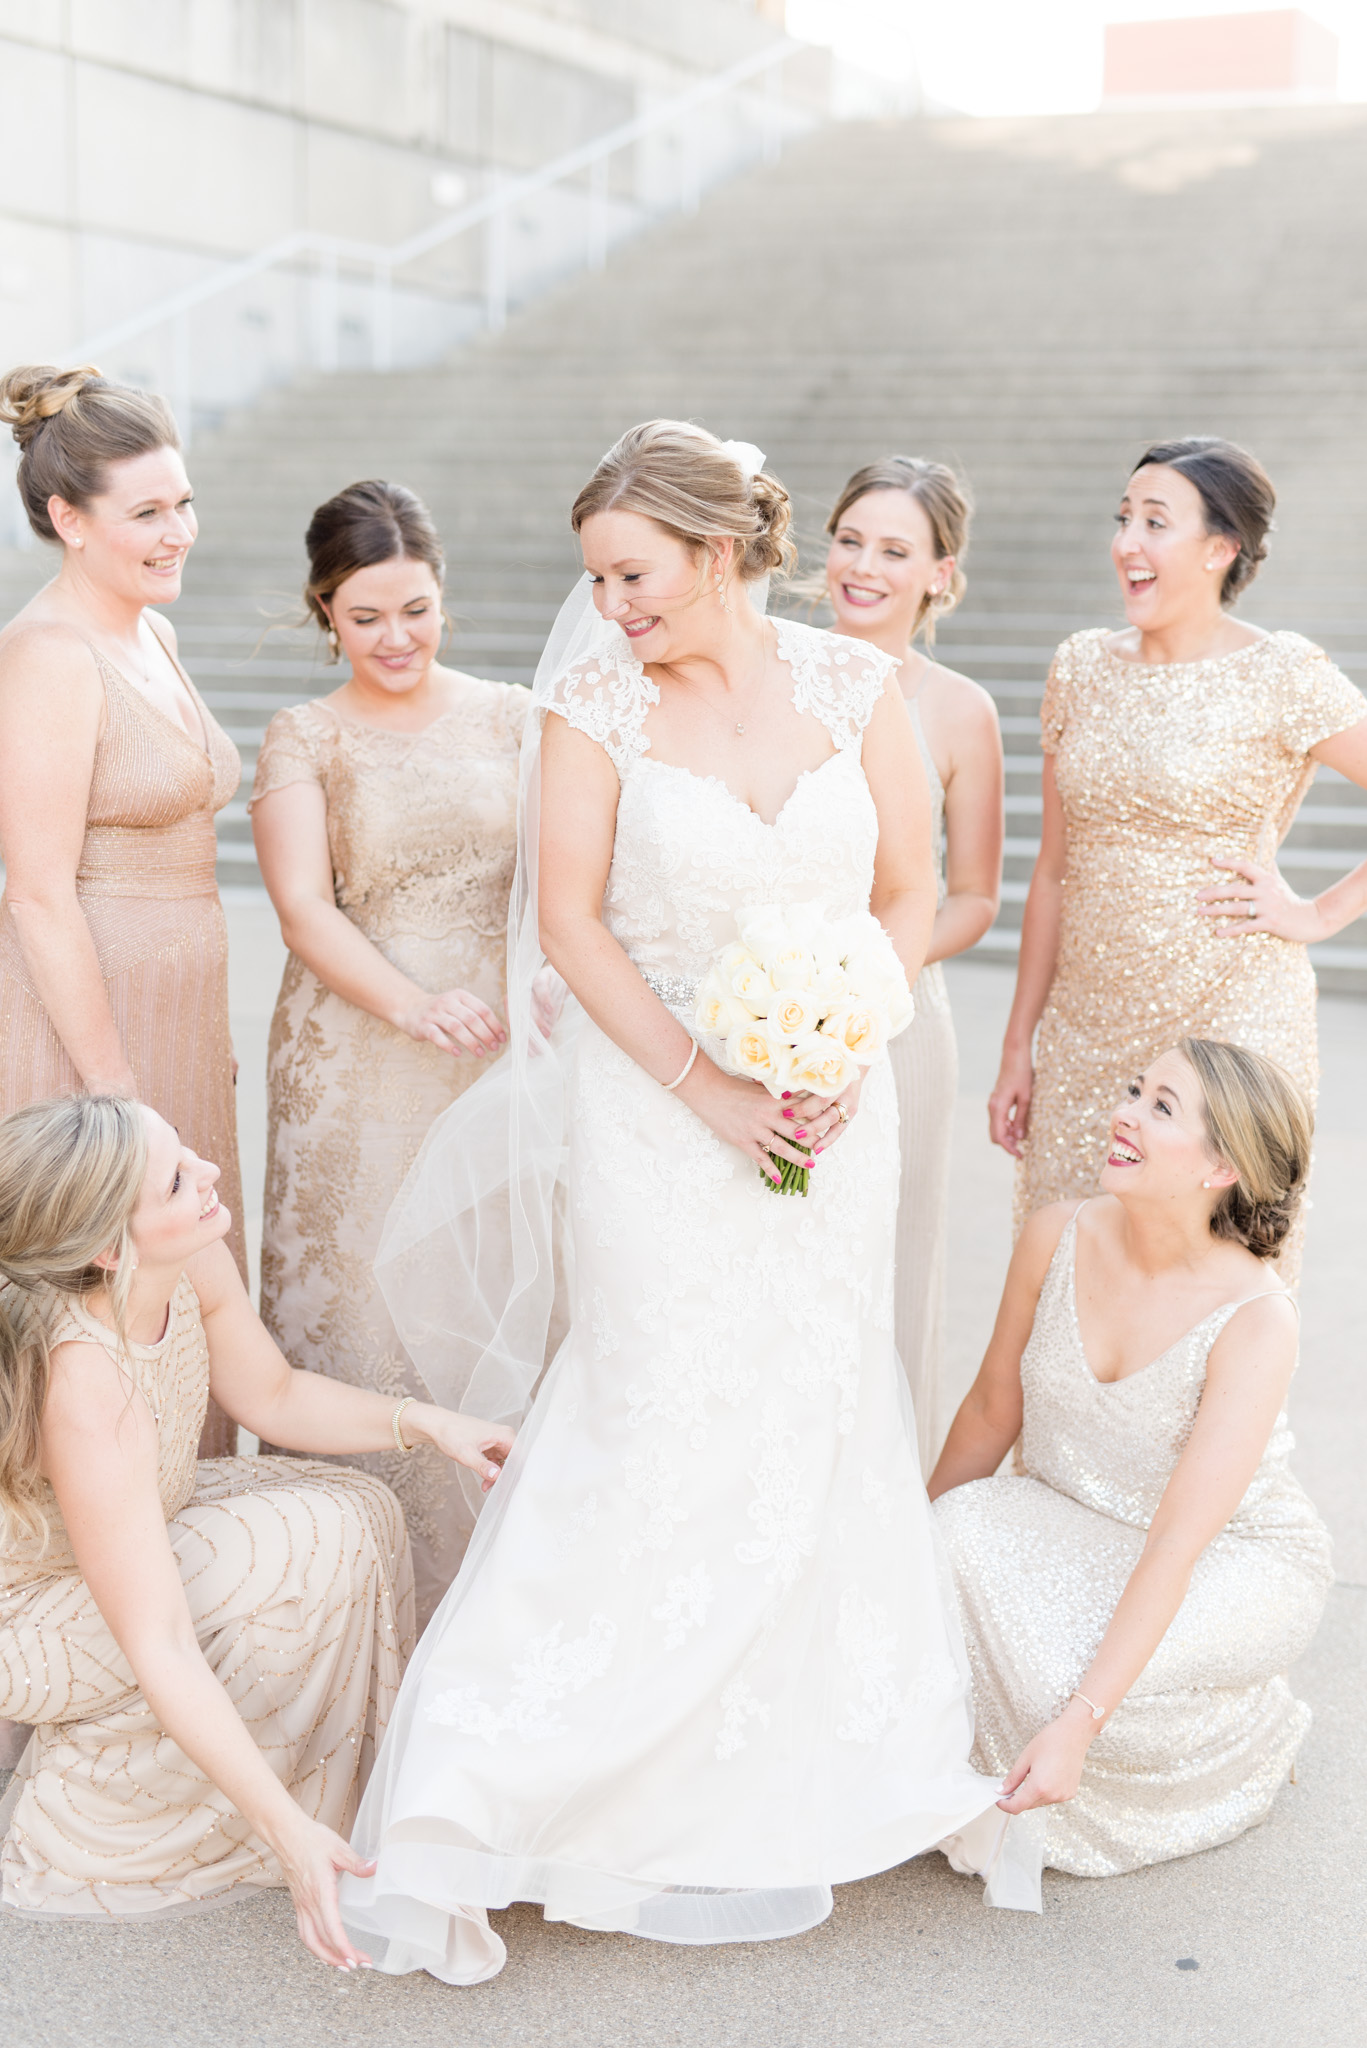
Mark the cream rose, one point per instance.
(821, 1066)
(860, 1029)
(751, 985)
(754, 1052)
(794, 1013)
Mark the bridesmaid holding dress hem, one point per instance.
(385, 823)
(899, 532)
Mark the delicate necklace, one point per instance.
(754, 696)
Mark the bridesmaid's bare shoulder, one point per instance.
(47, 657)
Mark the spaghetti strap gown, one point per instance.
(699, 1664)
(300, 1589)
(146, 885)
(1202, 1743)
(925, 1066)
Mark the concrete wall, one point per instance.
(142, 142)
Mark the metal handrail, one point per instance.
(491, 208)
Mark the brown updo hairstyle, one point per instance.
(1236, 495)
(1259, 1122)
(71, 426)
(681, 476)
(364, 525)
(944, 499)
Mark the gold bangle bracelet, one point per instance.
(407, 1402)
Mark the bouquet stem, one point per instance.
(793, 1179)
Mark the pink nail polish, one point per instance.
(789, 1112)
(817, 1150)
(787, 1095)
(799, 1134)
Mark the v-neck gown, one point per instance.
(700, 1663)
(1202, 1743)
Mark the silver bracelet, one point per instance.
(1098, 1713)
(407, 1402)
(670, 1086)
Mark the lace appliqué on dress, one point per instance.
(838, 680)
(549, 1671)
(607, 695)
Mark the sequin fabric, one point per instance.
(1204, 1740)
(1159, 769)
(925, 1066)
(300, 1588)
(422, 834)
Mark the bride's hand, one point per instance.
(743, 1114)
(481, 1447)
(310, 1857)
(456, 1021)
(816, 1119)
(1049, 1769)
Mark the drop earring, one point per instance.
(334, 644)
(721, 596)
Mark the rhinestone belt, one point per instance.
(679, 991)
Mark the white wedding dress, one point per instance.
(701, 1663)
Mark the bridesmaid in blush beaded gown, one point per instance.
(899, 531)
(1176, 755)
(1135, 1595)
(385, 820)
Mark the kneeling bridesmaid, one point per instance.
(207, 1654)
(1134, 1602)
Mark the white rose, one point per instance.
(752, 986)
(792, 967)
(821, 1066)
(753, 1051)
(860, 1028)
(763, 931)
(793, 1014)
(717, 1012)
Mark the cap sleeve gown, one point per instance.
(146, 885)
(300, 1590)
(1203, 1741)
(422, 837)
(1160, 769)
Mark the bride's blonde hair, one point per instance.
(71, 1173)
(681, 476)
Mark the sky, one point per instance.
(1026, 56)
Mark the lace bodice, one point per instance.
(688, 853)
(1113, 1446)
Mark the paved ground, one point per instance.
(1258, 1945)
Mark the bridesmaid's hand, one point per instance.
(310, 1857)
(1256, 899)
(1008, 1106)
(1049, 1769)
(457, 1022)
(481, 1447)
(548, 1000)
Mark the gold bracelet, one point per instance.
(407, 1402)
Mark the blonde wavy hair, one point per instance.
(681, 476)
(71, 1174)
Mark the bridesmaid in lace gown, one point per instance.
(1179, 746)
(899, 532)
(1134, 1600)
(385, 821)
(113, 947)
(206, 1653)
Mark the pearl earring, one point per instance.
(1205, 1183)
(334, 643)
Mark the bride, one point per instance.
(700, 1663)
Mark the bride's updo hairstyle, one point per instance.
(71, 1174)
(944, 499)
(72, 426)
(364, 525)
(682, 477)
(1236, 494)
(1259, 1122)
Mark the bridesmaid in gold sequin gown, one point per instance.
(113, 947)
(1135, 1595)
(899, 531)
(1176, 755)
(206, 1654)
(385, 819)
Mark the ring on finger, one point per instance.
(842, 1112)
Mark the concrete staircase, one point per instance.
(1031, 300)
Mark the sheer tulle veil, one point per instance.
(474, 1260)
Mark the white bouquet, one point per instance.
(802, 1001)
